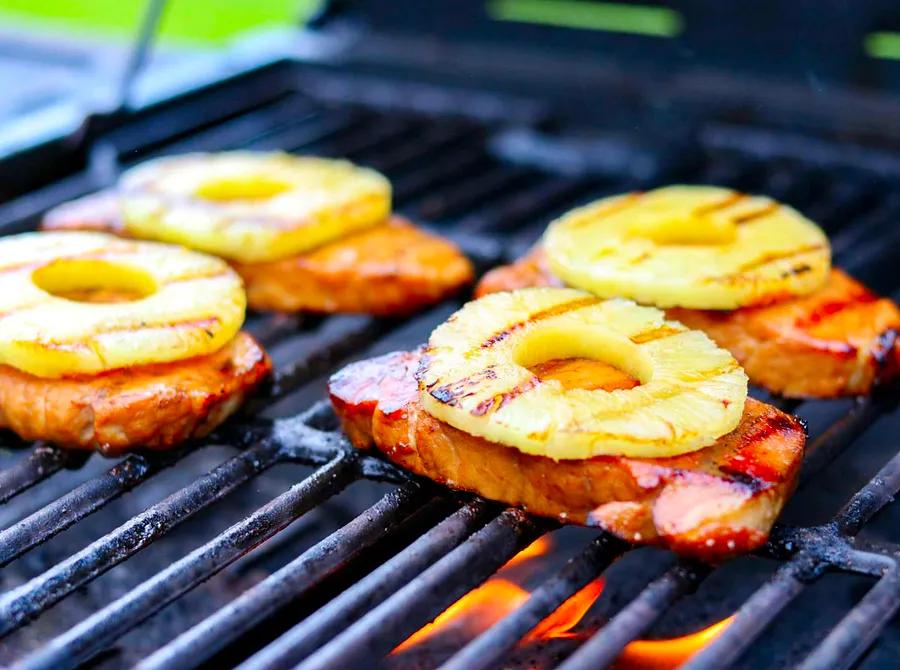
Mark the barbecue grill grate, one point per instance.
(444, 173)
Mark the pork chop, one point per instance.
(713, 503)
(155, 406)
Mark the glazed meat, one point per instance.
(837, 341)
(530, 270)
(712, 503)
(155, 406)
(394, 268)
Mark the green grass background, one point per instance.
(184, 21)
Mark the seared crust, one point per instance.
(154, 406)
(391, 269)
(712, 503)
(528, 271)
(837, 341)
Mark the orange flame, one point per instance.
(483, 607)
(671, 653)
(476, 611)
(566, 617)
(539, 547)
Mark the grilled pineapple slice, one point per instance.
(179, 304)
(700, 247)
(251, 207)
(475, 376)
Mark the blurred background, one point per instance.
(193, 24)
(60, 57)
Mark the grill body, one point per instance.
(272, 543)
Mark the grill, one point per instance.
(214, 556)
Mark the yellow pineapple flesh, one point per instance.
(251, 207)
(699, 247)
(478, 375)
(54, 321)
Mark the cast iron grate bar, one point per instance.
(81, 642)
(637, 617)
(314, 631)
(432, 139)
(761, 609)
(23, 603)
(43, 462)
(75, 505)
(129, 611)
(860, 628)
(473, 190)
(290, 582)
(429, 594)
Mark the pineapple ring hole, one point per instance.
(259, 186)
(582, 357)
(583, 373)
(94, 281)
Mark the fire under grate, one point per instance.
(447, 175)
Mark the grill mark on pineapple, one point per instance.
(626, 201)
(759, 213)
(450, 393)
(497, 401)
(803, 268)
(204, 324)
(655, 334)
(550, 312)
(726, 202)
(767, 259)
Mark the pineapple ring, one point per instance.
(251, 207)
(182, 304)
(700, 247)
(475, 377)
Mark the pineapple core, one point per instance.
(259, 186)
(94, 281)
(584, 373)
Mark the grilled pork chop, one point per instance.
(712, 503)
(392, 269)
(837, 341)
(155, 406)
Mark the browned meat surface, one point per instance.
(712, 503)
(155, 406)
(392, 269)
(530, 270)
(837, 341)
